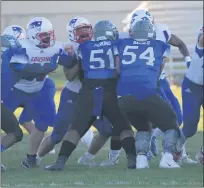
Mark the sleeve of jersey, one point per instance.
(20, 63)
(199, 51)
(66, 60)
(167, 33)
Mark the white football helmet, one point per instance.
(40, 31)
(140, 15)
(16, 31)
(79, 30)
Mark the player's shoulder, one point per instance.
(160, 44)
(123, 35)
(26, 43)
(161, 27)
(162, 32)
(164, 44)
(124, 41)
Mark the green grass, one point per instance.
(80, 176)
(75, 175)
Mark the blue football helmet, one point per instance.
(105, 30)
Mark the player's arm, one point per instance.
(71, 73)
(20, 63)
(70, 62)
(117, 59)
(117, 64)
(199, 47)
(164, 61)
(177, 42)
(200, 41)
(166, 54)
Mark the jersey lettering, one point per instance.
(40, 59)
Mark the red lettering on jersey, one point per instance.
(40, 59)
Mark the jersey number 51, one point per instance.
(101, 59)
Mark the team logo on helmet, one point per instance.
(72, 22)
(17, 30)
(36, 25)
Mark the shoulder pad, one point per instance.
(26, 43)
(161, 27)
(123, 35)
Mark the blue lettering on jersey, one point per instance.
(140, 64)
(98, 60)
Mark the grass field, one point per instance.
(96, 177)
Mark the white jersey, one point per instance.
(195, 71)
(74, 85)
(162, 34)
(35, 55)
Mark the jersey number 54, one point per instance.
(148, 55)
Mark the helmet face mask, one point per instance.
(79, 30)
(83, 33)
(45, 38)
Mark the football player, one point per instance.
(97, 96)
(9, 123)
(25, 118)
(79, 30)
(31, 63)
(163, 34)
(7, 76)
(141, 63)
(192, 94)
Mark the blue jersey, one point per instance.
(98, 60)
(8, 77)
(140, 63)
